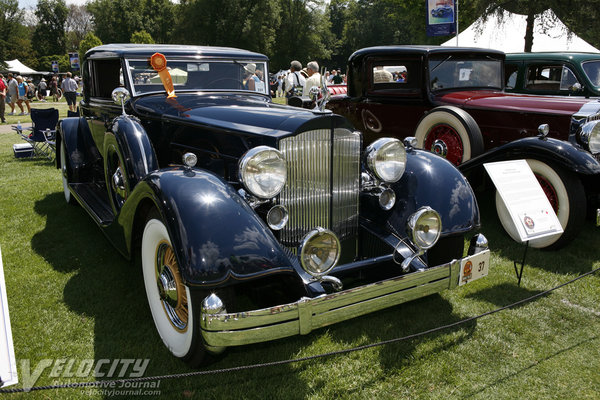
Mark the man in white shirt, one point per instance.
(294, 82)
(314, 77)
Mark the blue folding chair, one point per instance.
(42, 132)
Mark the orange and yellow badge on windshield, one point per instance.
(159, 64)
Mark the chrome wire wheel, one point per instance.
(170, 287)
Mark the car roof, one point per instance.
(146, 50)
(420, 49)
(550, 55)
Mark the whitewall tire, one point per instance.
(451, 133)
(169, 298)
(64, 166)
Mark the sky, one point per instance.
(33, 3)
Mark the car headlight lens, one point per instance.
(319, 251)
(386, 158)
(263, 171)
(590, 136)
(425, 227)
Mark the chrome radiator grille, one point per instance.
(323, 183)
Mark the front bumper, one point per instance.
(221, 330)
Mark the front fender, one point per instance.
(549, 150)
(217, 237)
(430, 180)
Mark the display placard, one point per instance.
(525, 200)
(8, 364)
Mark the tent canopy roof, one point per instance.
(17, 66)
(508, 34)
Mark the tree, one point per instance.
(89, 41)
(247, 24)
(14, 36)
(304, 35)
(116, 20)
(77, 25)
(49, 34)
(141, 37)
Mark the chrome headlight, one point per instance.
(386, 158)
(590, 136)
(425, 227)
(319, 251)
(263, 171)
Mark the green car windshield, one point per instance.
(592, 70)
(199, 75)
(460, 73)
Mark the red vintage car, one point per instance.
(452, 101)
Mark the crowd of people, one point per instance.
(298, 81)
(18, 92)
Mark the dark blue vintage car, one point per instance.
(255, 221)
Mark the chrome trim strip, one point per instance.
(307, 314)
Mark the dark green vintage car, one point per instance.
(558, 74)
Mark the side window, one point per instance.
(389, 77)
(544, 77)
(510, 75)
(390, 74)
(568, 80)
(106, 75)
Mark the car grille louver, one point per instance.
(323, 183)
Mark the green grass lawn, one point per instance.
(72, 296)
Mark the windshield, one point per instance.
(200, 75)
(453, 72)
(592, 70)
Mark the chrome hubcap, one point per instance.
(171, 289)
(439, 147)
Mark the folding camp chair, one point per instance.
(43, 132)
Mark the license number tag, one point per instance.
(474, 267)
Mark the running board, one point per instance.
(94, 200)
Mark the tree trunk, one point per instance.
(529, 32)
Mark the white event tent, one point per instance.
(508, 34)
(18, 67)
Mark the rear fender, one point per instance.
(80, 148)
(217, 237)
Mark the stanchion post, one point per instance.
(520, 272)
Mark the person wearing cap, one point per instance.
(294, 81)
(314, 77)
(42, 87)
(252, 80)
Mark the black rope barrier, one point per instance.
(107, 383)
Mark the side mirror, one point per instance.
(121, 95)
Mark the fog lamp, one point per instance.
(387, 199)
(319, 251)
(425, 227)
(277, 217)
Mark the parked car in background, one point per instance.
(452, 101)
(255, 221)
(553, 73)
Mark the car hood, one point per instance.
(490, 99)
(241, 113)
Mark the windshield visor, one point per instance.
(456, 73)
(198, 75)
